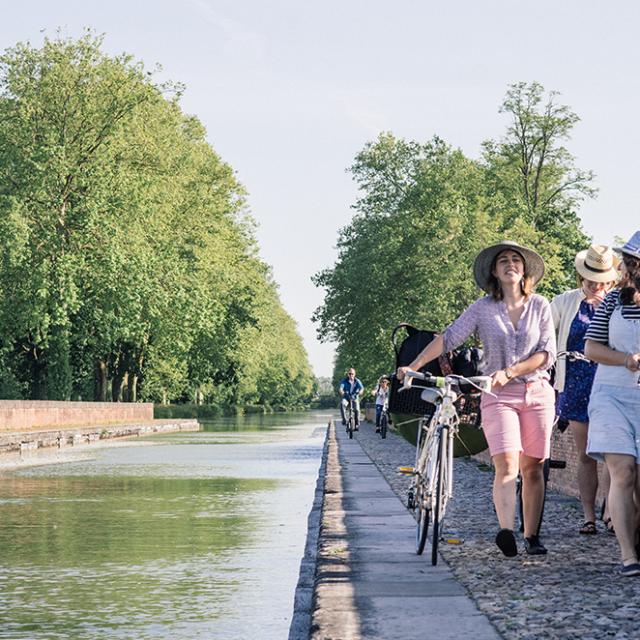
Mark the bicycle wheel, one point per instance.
(350, 427)
(439, 494)
(383, 426)
(422, 526)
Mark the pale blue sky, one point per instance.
(289, 92)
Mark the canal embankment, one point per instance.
(370, 584)
(31, 430)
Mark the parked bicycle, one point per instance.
(432, 486)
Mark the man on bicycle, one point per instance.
(350, 388)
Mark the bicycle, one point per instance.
(384, 420)
(351, 423)
(433, 470)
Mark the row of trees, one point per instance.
(425, 211)
(128, 263)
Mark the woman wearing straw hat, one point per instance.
(517, 333)
(572, 312)
(613, 340)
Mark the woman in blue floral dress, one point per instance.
(572, 313)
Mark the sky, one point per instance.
(290, 91)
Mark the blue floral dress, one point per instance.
(574, 400)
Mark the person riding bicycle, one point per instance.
(381, 392)
(350, 388)
(518, 336)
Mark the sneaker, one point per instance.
(377, 429)
(632, 569)
(534, 547)
(506, 541)
(344, 423)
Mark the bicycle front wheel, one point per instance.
(383, 426)
(439, 494)
(350, 427)
(422, 526)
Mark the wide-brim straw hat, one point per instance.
(597, 263)
(533, 262)
(632, 246)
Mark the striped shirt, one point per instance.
(598, 330)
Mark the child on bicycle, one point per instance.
(381, 392)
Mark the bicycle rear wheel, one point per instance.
(383, 426)
(439, 494)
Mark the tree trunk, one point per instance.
(100, 381)
(133, 387)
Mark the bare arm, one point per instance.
(604, 354)
(531, 364)
(433, 350)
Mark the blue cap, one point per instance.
(632, 246)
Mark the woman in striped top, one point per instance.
(613, 340)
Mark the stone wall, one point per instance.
(26, 415)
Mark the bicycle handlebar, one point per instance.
(482, 383)
(572, 356)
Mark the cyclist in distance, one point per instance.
(381, 393)
(572, 312)
(517, 333)
(350, 387)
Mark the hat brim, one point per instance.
(635, 254)
(610, 275)
(534, 264)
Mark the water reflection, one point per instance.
(185, 538)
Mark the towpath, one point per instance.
(370, 584)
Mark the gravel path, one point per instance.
(573, 592)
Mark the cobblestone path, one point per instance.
(573, 592)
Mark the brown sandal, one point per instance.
(588, 528)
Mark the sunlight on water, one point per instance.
(197, 535)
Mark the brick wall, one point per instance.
(24, 415)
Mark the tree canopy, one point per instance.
(424, 212)
(128, 262)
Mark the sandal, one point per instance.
(588, 528)
(607, 523)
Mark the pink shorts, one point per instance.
(520, 418)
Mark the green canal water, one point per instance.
(192, 535)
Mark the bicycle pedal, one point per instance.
(406, 470)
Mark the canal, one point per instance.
(191, 535)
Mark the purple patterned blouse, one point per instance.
(503, 345)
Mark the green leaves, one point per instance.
(424, 212)
(128, 261)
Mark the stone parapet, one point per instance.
(27, 415)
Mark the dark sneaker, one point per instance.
(344, 423)
(506, 541)
(377, 429)
(534, 547)
(630, 570)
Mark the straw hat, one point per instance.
(632, 246)
(597, 263)
(533, 262)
